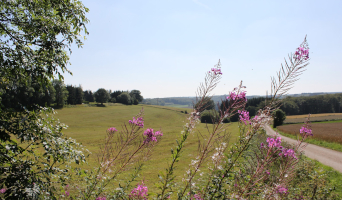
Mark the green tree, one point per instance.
(115, 94)
(61, 93)
(124, 98)
(35, 38)
(207, 104)
(278, 117)
(210, 116)
(89, 96)
(71, 95)
(136, 94)
(101, 96)
(79, 95)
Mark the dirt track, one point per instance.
(325, 156)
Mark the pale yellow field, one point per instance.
(313, 115)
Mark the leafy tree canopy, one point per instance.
(124, 98)
(136, 94)
(101, 95)
(35, 42)
(207, 104)
(279, 117)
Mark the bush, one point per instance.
(278, 117)
(112, 100)
(210, 116)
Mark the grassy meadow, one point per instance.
(88, 126)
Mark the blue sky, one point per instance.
(164, 47)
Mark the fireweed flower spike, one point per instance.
(236, 95)
(152, 136)
(244, 117)
(302, 52)
(282, 190)
(216, 70)
(139, 122)
(139, 192)
(112, 130)
(305, 130)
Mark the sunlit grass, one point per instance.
(88, 126)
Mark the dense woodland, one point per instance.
(328, 103)
(56, 94)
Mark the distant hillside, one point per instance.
(187, 102)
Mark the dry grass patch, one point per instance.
(331, 132)
(313, 117)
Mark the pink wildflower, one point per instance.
(236, 96)
(101, 198)
(262, 145)
(288, 153)
(274, 142)
(67, 193)
(112, 130)
(301, 53)
(282, 190)
(305, 130)
(232, 96)
(139, 122)
(244, 116)
(152, 136)
(216, 71)
(3, 190)
(139, 192)
(197, 197)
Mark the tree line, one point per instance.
(327, 103)
(55, 93)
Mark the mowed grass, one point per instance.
(88, 126)
(327, 134)
(313, 117)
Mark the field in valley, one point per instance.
(326, 129)
(88, 126)
(330, 132)
(313, 117)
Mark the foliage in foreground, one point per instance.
(34, 154)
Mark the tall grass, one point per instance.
(88, 126)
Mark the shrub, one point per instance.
(210, 116)
(278, 117)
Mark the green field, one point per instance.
(88, 126)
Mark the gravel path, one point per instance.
(327, 157)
